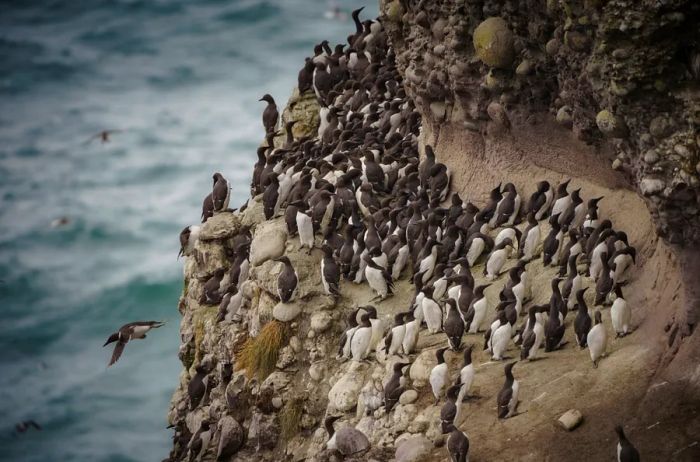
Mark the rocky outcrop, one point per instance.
(605, 92)
(507, 91)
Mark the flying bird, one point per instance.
(127, 332)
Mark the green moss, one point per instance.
(493, 43)
(394, 11)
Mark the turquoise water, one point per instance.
(182, 80)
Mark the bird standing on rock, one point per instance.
(287, 281)
(507, 399)
(439, 375)
(597, 339)
(626, 452)
(270, 114)
(221, 193)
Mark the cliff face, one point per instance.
(607, 93)
(600, 92)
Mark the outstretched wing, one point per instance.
(116, 354)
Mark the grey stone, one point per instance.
(413, 449)
(286, 312)
(408, 397)
(343, 395)
(221, 226)
(651, 186)
(570, 419)
(350, 441)
(651, 157)
(321, 321)
(268, 242)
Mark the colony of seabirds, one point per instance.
(382, 213)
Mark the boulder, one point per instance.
(321, 321)
(263, 431)
(343, 395)
(268, 242)
(221, 226)
(231, 438)
(421, 367)
(408, 397)
(493, 43)
(350, 441)
(413, 449)
(286, 312)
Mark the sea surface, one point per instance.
(181, 80)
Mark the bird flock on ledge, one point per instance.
(380, 213)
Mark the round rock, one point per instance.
(408, 397)
(493, 42)
(610, 124)
(321, 321)
(413, 449)
(268, 242)
(564, 116)
(343, 395)
(286, 312)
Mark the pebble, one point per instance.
(659, 127)
(277, 402)
(552, 47)
(311, 334)
(610, 124)
(617, 164)
(295, 343)
(651, 157)
(439, 50)
(321, 321)
(682, 151)
(570, 419)
(316, 371)
(408, 397)
(564, 116)
(413, 449)
(651, 186)
(524, 68)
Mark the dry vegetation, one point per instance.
(258, 355)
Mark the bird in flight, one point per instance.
(127, 332)
(22, 427)
(103, 136)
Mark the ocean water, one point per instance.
(182, 80)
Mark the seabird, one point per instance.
(626, 452)
(393, 388)
(221, 193)
(507, 399)
(597, 340)
(620, 313)
(457, 443)
(287, 281)
(330, 273)
(127, 332)
(270, 114)
(582, 322)
(439, 375)
(188, 237)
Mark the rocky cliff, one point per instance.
(604, 93)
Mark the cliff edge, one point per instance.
(603, 93)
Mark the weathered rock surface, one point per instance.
(522, 107)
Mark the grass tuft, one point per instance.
(290, 417)
(258, 355)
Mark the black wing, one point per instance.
(116, 354)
